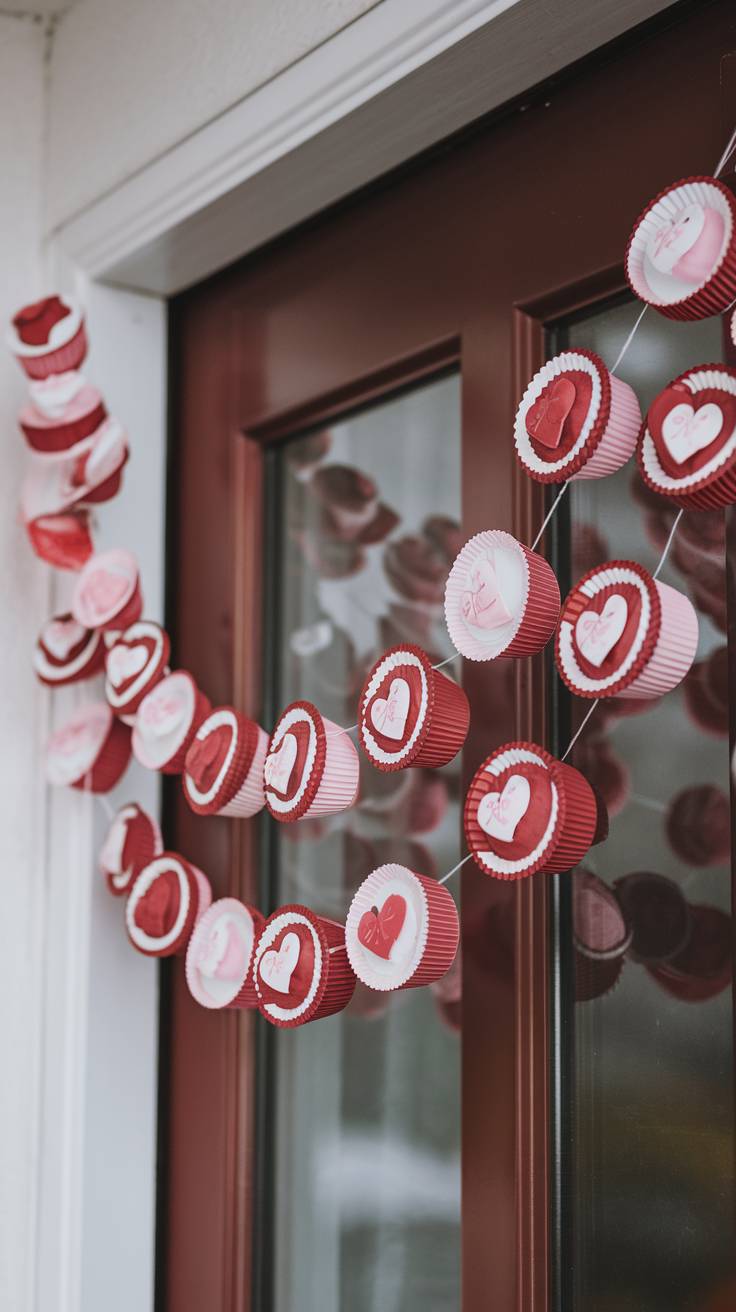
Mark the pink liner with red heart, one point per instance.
(333, 980)
(574, 829)
(136, 839)
(436, 729)
(423, 911)
(238, 788)
(600, 444)
(195, 898)
(330, 782)
(664, 645)
(529, 608)
(234, 971)
(717, 290)
(711, 485)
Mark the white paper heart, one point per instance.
(124, 663)
(686, 430)
(280, 763)
(389, 714)
(675, 237)
(482, 602)
(596, 634)
(277, 968)
(162, 712)
(62, 636)
(499, 814)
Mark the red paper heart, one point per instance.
(379, 930)
(545, 419)
(62, 540)
(205, 757)
(157, 910)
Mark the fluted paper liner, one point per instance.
(438, 930)
(538, 609)
(243, 993)
(714, 485)
(336, 983)
(444, 725)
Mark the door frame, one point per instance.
(389, 68)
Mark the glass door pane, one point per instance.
(649, 1204)
(366, 1105)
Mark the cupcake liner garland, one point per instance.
(311, 767)
(166, 722)
(66, 652)
(575, 420)
(687, 445)
(402, 930)
(681, 256)
(301, 970)
(624, 634)
(166, 901)
(409, 713)
(219, 963)
(133, 840)
(526, 812)
(224, 764)
(501, 599)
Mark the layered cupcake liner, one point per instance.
(199, 899)
(142, 844)
(579, 811)
(176, 763)
(442, 723)
(131, 612)
(125, 703)
(538, 609)
(111, 763)
(618, 440)
(249, 798)
(50, 440)
(245, 996)
(718, 292)
(710, 490)
(336, 983)
(438, 935)
(58, 361)
(675, 648)
(338, 786)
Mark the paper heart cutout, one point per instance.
(158, 908)
(124, 663)
(389, 714)
(482, 603)
(675, 237)
(221, 954)
(60, 637)
(277, 967)
(378, 929)
(545, 419)
(280, 764)
(684, 425)
(499, 814)
(597, 632)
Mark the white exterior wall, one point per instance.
(22, 602)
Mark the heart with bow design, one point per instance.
(379, 928)
(597, 632)
(683, 423)
(676, 236)
(545, 419)
(499, 814)
(280, 763)
(389, 714)
(482, 603)
(125, 662)
(277, 966)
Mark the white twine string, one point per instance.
(628, 341)
(725, 157)
(449, 661)
(455, 869)
(100, 797)
(550, 513)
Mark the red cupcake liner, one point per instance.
(579, 809)
(720, 291)
(202, 708)
(50, 440)
(542, 609)
(716, 490)
(443, 935)
(142, 843)
(111, 763)
(59, 361)
(194, 910)
(128, 615)
(446, 720)
(337, 980)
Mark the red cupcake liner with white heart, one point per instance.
(67, 653)
(90, 751)
(608, 431)
(194, 897)
(52, 437)
(329, 776)
(220, 954)
(501, 598)
(237, 786)
(126, 681)
(333, 980)
(659, 654)
(437, 726)
(402, 930)
(679, 297)
(133, 840)
(571, 825)
(181, 735)
(713, 485)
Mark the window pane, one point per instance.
(650, 1156)
(367, 1108)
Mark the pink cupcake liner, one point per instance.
(675, 648)
(250, 799)
(242, 993)
(618, 441)
(718, 292)
(533, 608)
(338, 787)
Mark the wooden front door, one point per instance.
(342, 410)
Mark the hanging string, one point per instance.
(455, 869)
(100, 797)
(628, 341)
(725, 157)
(550, 513)
(579, 730)
(449, 661)
(668, 543)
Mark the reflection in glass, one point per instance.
(367, 1114)
(650, 1210)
